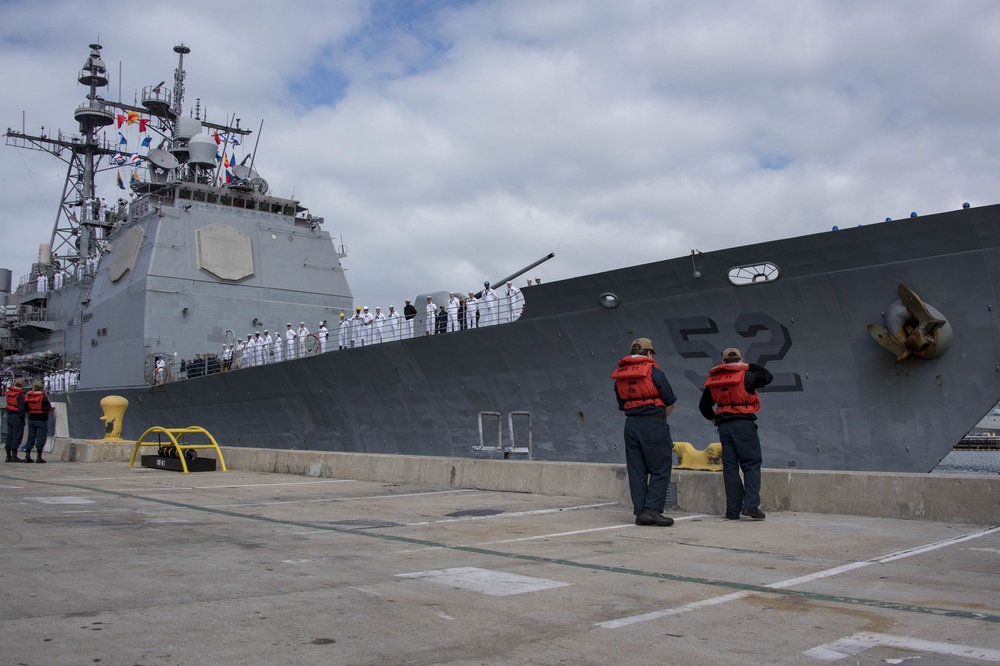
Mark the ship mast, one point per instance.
(82, 226)
(78, 232)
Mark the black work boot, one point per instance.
(27, 457)
(8, 455)
(13, 456)
(38, 457)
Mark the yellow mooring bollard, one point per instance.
(688, 457)
(114, 407)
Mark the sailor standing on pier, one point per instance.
(646, 397)
(39, 408)
(731, 388)
(16, 411)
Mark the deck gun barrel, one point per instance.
(521, 272)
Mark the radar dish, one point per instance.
(162, 159)
(242, 171)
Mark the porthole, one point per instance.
(754, 274)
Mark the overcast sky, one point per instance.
(452, 142)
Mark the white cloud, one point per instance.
(459, 142)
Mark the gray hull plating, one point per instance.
(838, 402)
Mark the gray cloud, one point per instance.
(458, 142)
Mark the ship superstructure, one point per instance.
(196, 253)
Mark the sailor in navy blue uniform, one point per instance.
(646, 397)
(731, 402)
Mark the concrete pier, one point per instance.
(111, 565)
(938, 497)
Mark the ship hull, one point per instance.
(540, 386)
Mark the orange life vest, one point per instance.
(729, 391)
(12, 393)
(634, 382)
(34, 402)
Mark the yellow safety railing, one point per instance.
(176, 435)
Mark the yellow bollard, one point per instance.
(688, 457)
(114, 407)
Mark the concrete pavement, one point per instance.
(110, 565)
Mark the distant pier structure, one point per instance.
(985, 436)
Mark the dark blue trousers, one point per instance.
(37, 431)
(740, 451)
(648, 458)
(15, 431)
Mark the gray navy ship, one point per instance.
(884, 339)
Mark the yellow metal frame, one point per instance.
(175, 435)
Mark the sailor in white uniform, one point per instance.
(302, 333)
(258, 349)
(392, 324)
(453, 304)
(378, 325)
(277, 345)
(323, 332)
(161, 370)
(290, 339)
(249, 352)
(488, 303)
(265, 350)
(367, 326)
(357, 338)
(515, 302)
(430, 316)
(471, 307)
(344, 334)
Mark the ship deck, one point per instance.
(105, 564)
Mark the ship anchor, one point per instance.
(913, 328)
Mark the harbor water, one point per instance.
(969, 462)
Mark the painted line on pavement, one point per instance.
(537, 559)
(861, 641)
(554, 535)
(781, 585)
